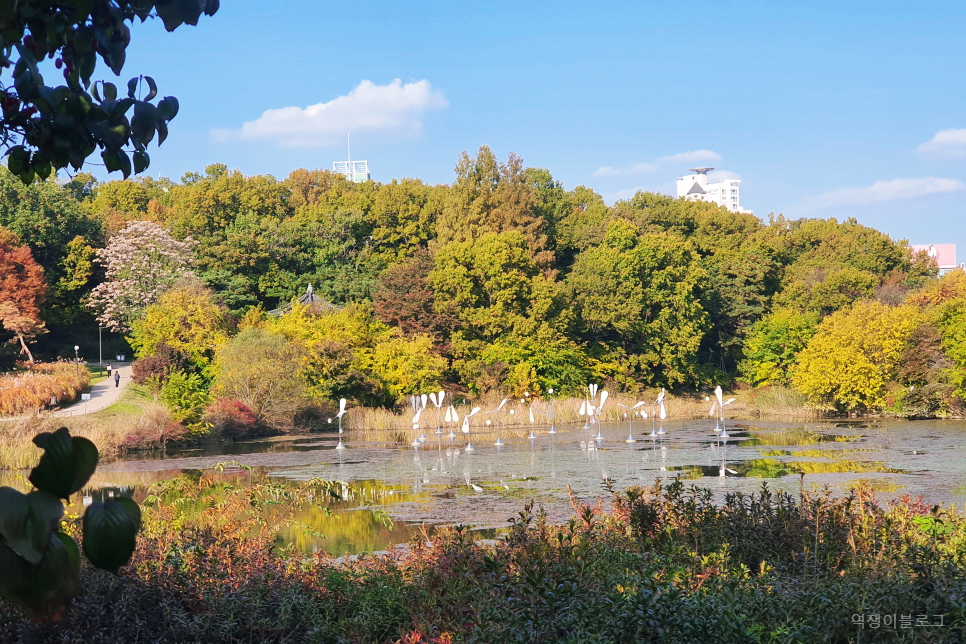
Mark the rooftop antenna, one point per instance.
(354, 171)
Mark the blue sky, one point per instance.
(822, 109)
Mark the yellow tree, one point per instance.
(186, 319)
(853, 355)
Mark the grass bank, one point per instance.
(109, 429)
(664, 564)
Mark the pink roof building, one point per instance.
(944, 254)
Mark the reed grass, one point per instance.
(31, 387)
(108, 429)
(383, 425)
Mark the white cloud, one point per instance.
(683, 158)
(723, 175)
(947, 144)
(691, 157)
(607, 171)
(391, 111)
(637, 168)
(896, 189)
(611, 198)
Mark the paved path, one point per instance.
(103, 395)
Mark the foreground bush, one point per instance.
(663, 565)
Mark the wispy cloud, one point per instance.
(882, 191)
(691, 157)
(393, 111)
(643, 168)
(637, 168)
(723, 175)
(613, 197)
(947, 144)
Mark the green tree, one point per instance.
(261, 369)
(46, 128)
(492, 197)
(186, 319)
(638, 295)
(854, 354)
(773, 346)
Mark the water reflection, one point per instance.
(442, 483)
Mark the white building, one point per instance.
(724, 193)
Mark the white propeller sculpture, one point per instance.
(466, 429)
(718, 406)
(499, 431)
(418, 405)
(339, 416)
(630, 419)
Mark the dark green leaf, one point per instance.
(110, 91)
(190, 10)
(141, 162)
(85, 462)
(110, 534)
(168, 108)
(125, 162)
(43, 590)
(66, 465)
(26, 521)
(18, 159)
(169, 14)
(132, 87)
(152, 86)
(55, 472)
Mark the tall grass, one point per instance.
(111, 430)
(375, 424)
(32, 386)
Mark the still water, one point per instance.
(443, 483)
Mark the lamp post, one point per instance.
(100, 352)
(77, 360)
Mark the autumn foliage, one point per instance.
(22, 290)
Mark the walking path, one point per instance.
(103, 395)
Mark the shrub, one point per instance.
(154, 428)
(186, 395)
(230, 418)
(260, 371)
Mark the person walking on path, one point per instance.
(108, 369)
(117, 379)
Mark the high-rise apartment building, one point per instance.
(724, 193)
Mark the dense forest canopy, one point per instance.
(504, 279)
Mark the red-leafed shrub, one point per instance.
(230, 418)
(154, 429)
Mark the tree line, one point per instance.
(503, 279)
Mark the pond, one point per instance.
(443, 483)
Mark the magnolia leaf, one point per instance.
(66, 465)
(43, 590)
(26, 521)
(110, 534)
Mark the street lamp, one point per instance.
(77, 360)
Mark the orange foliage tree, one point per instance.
(22, 290)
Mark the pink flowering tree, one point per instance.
(142, 262)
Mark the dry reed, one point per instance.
(32, 387)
